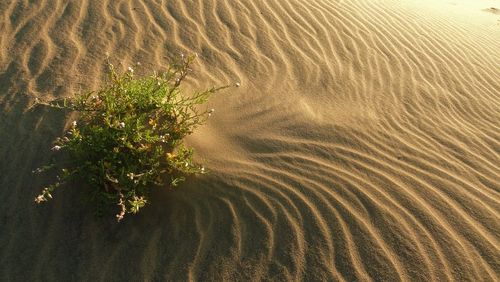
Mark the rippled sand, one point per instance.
(363, 143)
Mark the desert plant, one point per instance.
(128, 137)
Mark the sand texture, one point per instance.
(363, 143)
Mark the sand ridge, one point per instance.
(363, 143)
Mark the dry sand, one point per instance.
(363, 144)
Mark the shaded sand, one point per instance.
(363, 144)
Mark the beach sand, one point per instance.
(363, 143)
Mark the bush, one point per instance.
(129, 137)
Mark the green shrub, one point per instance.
(129, 137)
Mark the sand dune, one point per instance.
(363, 144)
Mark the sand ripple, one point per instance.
(364, 143)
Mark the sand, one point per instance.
(363, 143)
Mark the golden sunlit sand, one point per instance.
(363, 143)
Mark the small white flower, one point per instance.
(38, 170)
(56, 148)
(237, 84)
(202, 169)
(121, 124)
(119, 216)
(138, 63)
(130, 175)
(40, 198)
(211, 111)
(74, 123)
(130, 69)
